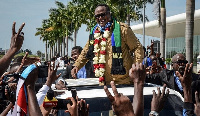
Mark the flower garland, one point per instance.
(100, 52)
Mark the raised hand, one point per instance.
(159, 99)
(15, 45)
(186, 79)
(197, 105)
(45, 110)
(74, 71)
(27, 61)
(137, 73)
(72, 109)
(121, 104)
(9, 92)
(83, 108)
(17, 38)
(52, 74)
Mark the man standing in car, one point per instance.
(110, 46)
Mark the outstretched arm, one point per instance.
(137, 74)
(50, 79)
(197, 105)
(16, 43)
(151, 48)
(186, 81)
(158, 100)
(33, 106)
(5, 112)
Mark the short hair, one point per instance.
(79, 48)
(13, 65)
(18, 59)
(105, 5)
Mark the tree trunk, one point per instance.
(189, 29)
(54, 49)
(67, 43)
(50, 53)
(64, 45)
(75, 34)
(58, 46)
(162, 31)
(46, 57)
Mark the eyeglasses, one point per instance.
(181, 61)
(100, 15)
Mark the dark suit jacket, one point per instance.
(167, 77)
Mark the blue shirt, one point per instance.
(81, 73)
(177, 81)
(147, 61)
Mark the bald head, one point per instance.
(177, 57)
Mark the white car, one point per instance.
(100, 105)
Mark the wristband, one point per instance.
(154, 113)
(28, 70)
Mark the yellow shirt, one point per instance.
(129, 45)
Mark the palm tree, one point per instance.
(162, 28)
(61, 21)
(67, 19)
(189, 29)
(44, 34)
(118, 8)
(76, 18)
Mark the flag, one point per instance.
(21, 107)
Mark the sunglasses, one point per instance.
(181, 61)
(100, 15)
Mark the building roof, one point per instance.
(175, 26)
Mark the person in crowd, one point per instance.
(147, 62)
(164, 64)
(33, 106)
(169, 77)
(109, 44)
(16, 68)
(151, 48)
(66, 60)
(15, 45)
(160, 61)
(85, 72)
(50, 79)
(158, 101)
(155, 67)
(186, 80)
(59, 60)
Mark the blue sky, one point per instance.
(32, 12)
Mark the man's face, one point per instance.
(179, 63)
(102, 16)
(75, 53)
